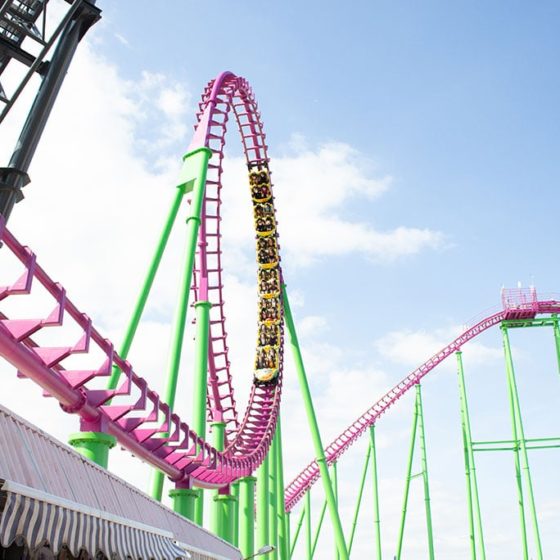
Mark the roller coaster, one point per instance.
(116, 405)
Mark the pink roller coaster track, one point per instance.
(133, 413)
(519, 308)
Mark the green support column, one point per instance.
(519, 483)
(359, 501)
(334, 479)
(224, 504)
(335, 489)
(283, 542)
(193, 178)
(376, 519)
(272, 497)
(262, 503)
(318, 529)
(314, 427)
(289, 533)
(425, 472)
(147, 285)
(218, 428)
(519, 435)
(417, 426)
(247, 515)
(298, 529)
(408, 479)
(200, 388)
(93, 445)
(308, 543)
(474, 514)
(556, 330)
(184, 500)
(235, 494)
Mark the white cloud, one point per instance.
(122, 39)
(93, 212)
(312, 188)
(412, 348)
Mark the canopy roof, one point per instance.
(50, 493)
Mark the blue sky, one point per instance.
(436, 120)
(456, 101)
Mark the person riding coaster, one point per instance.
(260, 193)
(266, 375)
(265, 226)
(266, 364)
(268, 244)
(259, 176)
(269, 283)
(264, 209)
(269, 334)
(269, 310)
(269, 338)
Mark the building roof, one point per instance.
(33, 460)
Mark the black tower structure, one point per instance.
(25, 40)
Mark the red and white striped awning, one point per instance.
(49, 493)
(39, 518)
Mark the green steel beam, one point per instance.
(318, 529)
(200, 383)
(298, 529)
(527, 440)
(334, 469)
(376, 519)
(262, 503)
(323, 511)
(308, 543)
(288, 533)
(225, 503)
(218, 512)
(470, 468)
(517, 465)
(235, 493)
(247, 515)
(514, 448)
(283, 542)
(147, 285)
(314, 427)
(359, 500)
(520, 436)
(424, 460)
(272, 499)
(407, 481)
(93, 445)
(184, 500)
(417, 426)
(556, 331)
(524, 323)
(193, 177)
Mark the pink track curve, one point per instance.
(133, 412)
(310, 474)
(225, 95)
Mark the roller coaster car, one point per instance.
(269, 310)
(266, 375)
(265, 226)
(260, 193)
(266, 364)
(259, 177)
(264, 210)
(269, 283)
(269, 335)
(266, 243)
(267, 259)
